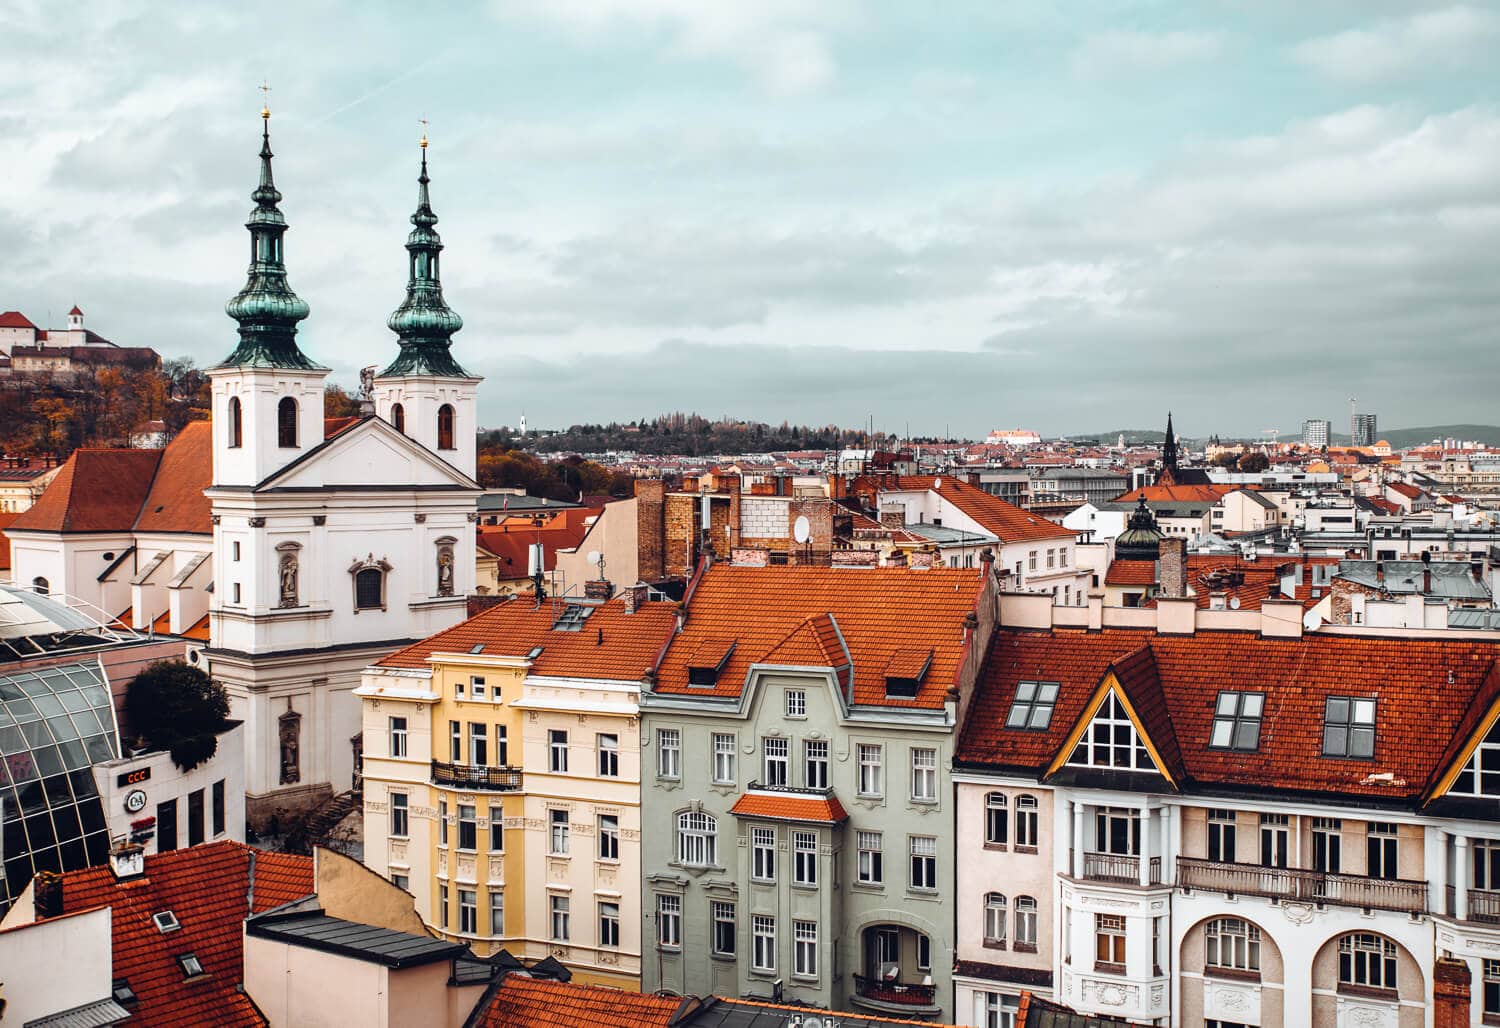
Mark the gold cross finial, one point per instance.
(424, 132)
(265, 92)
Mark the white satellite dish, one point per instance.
(1234, 603)
(801, 529)
(593, 556)
(937, 483)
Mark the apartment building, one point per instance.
(502, 779)
(1197, 817)
(798, 824)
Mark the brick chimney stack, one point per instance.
(1450, 993)
(47, 894)
(1171, 567)
(651, 543)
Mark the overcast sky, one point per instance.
(1063, 216)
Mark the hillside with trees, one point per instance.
(693, 435)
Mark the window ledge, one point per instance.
(1232, 973)
(729, 958)
(1027, 849)
(1024, 947)
(868, 886)
(994, 944)
(1368, 991)
(996, 847)
(1106, 967)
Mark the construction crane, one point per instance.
(1274, 433)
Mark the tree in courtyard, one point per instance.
(175, 707)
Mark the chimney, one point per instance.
(47, 894)
(986, 562)
(634, 597)
(1171, 568)
(1426, 580)
(1476, 568)
(1380, 573)
(1450, 993)
(892, 515)
(127, 860)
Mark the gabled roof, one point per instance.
(15, 319)
(1005, 521)
(811, 616)
(97, 490)
(1131, 572)
(611, 645)
(1423, 690)
(176, 502)
(1169, 493)
(523, 1002)
(206, 887)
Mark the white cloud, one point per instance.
(1128, 52)
(1398, 46)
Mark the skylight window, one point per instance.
(1237, 721)
(1033, 706)
(1349, 727)
(572, 618)
(166, 921)
(477, 648)
(191, 968)
(122, 991)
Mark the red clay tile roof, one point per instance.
(1167, 493)
(1131, 572)
(206, 887)
(1419, 709)
(508, 542)
(1251, 581)
(517, 625)
(198, 630)
(333, 426)
(523, 1002)
(176, 502)
(788, 807)
(1005, 521)
(778, 614)
(97, 490)
(1411, 492)
(5, 522)
(15, 319)
(76, 311)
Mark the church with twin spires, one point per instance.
(335, 541)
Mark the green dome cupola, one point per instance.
(424, 324)
(266, 308)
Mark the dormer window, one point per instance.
(1349, 727)
(1032, 707)
(1237, 721)
(286, 423)
(904, 673)
(1111, 741)
(708, 660)
(1481, 775)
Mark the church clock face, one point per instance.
(135, 801)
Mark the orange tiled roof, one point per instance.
(508, 543)
(789, 807)
(1131, 572)
(198, 630)
(176, 502)
(206, 887)
(523, 1002)
(1411, 492)
(1211, 573)
(517, 625)
(1005, 521)
(333, 426)
(1419, 709)
(1167, 493)
(783, 615)
(5, 521)
(97, 490)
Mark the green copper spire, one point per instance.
(423, 323)
(267, 309)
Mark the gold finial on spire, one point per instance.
(424, 132)
(265, 106)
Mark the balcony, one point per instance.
(1119, 869)
(895, 994)
(1483, 904)
(477, 776)
(1287, 883)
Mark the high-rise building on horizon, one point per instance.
(1316, 433)
(1363, 429)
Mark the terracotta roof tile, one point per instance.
(333, 426)
(97, 490)
(176, 502)
(517, 625)
(206, 888)
(15, 319)
(5, 522)
(1168, 493)
(1005, 521)
(523, 1002)
(1131, 572)
(788, 807)
(786, 615)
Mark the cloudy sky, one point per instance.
(1068, 216)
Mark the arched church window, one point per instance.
(286, 422)
(398, 417)
(445, 427)
(236, 436)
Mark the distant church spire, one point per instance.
(424, 323)
(1169, 447)
(266, 308)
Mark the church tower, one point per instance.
(1169, 448)
(267, 394)
(425, 393)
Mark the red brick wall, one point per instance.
(650, 496)
(1450, 993)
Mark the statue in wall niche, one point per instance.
(445, 570)
(290, 726)
(288, 572)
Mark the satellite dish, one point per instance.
(1234, 603)
(801, 529)
(593, 556)
(937, 483)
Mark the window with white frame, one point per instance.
(1221, 835)
(442, 822)
(871, 858)
(1486, 863)
(774, 770)
(995, 916)
(560, 918)
(468, 911)
(497, 829)
(468, 827)
(1327, 845)
(1381, 850)
(609, 837)
(997, 1010)
(497, 911)
(796, 703)
(1275, 837)
(996, 819)
(1031, 561)
(871, 769)
(1026, 910)
(923, 774)
(697, 839)
(399, 814)
(442, 906)
(1481, 774)
(557, 840)
(398, 736)
(815, 763)
(1367, 960)
(668, 921)
(479, 744)
(923, 862)
(805, 949)
(669, 753)
(1111, 741)
(763, 854)
(805, 858)
(456, 741)
(476, 687)
(502, 749)
(609, 756)
(1027, 832)
(724, 758)
(1349, 727)
(1491, 989)
(609, 924)
(763, 933)
(725, 938)
(1231, 944)
(557, 751)
(1237, 721)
